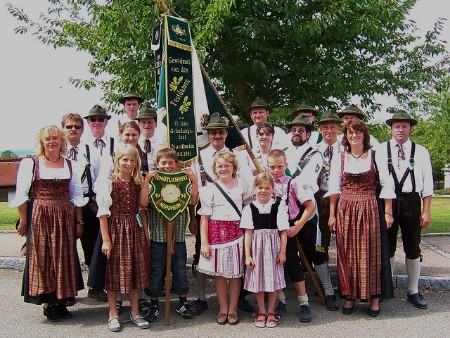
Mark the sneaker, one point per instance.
(114, 324)
(98, 295)
(51, 312)
(244, 305)
(153, 313)
(185, 310)
(144, 305)
(198, 307)
(140, 322)
(61, 309)
(305, 314)
(280, 309)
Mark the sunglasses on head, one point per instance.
(95, 119)
(71, 126)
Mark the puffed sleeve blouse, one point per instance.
(25, 177)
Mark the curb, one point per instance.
(399, 281)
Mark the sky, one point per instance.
(34, 78)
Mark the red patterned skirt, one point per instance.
(128, 267)
(358, 245)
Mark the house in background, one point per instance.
(8, 178)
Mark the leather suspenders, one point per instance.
(410, 170)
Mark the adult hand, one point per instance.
(389, 220)
(106, 248)
(425, 219)
(332, 223)
(22, 228)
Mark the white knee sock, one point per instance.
(303, 300)
(281, 297)
(201, 285)
(413, 271)
(324, 275)
(392, 261)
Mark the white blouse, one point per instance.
(215, 205)
(25, 176)
(354, 166)
(282, 215)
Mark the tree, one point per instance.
(7, 154)
(287, 51)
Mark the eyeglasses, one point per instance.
(95, 119)
(298, 130)
(71, 126)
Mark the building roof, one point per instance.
(8, 171)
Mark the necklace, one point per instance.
(52, 160)
(357, 156)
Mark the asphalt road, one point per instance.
(398, 318)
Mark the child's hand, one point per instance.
(151, 174)
(281, 258)
(205, 250)
(332, 223)
(190, 174)
(249, 262)
(292, 231)
(106, 248)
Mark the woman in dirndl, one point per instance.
(357, 220)
(52, 269)
(222, 239)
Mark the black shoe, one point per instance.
(244, 305)
(71, 301)
(144, 305)
(198, 307)
(348, 310)
(51, 312)
(417, 300)
(331, 303)
(280, 309)
(374, 313)
(152, 314)
(98, 294)
(184, 309)
(305, 314)
(63, 312)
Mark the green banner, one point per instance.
(170, 193)
(182, 132)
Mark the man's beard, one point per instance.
(299, 143)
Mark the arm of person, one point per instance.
(205, 249)
(332, 218)
(106, 246)
(388, 213)
(143, 195)
(249, 262)
(23, 218)
(305, 217)
(281, 259)
(143, 214)
(425, 217)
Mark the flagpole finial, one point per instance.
(163, 5)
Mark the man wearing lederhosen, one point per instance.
(409, 167)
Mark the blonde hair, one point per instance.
(262, 178)
(277, 153)
(43, 133)
(127, 149)
(228, 157)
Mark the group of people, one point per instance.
(254, 215)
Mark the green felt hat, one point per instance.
(329, 116)
(146, 112)
(97, 111)
(301, 120)
(131, 95)
(304, 108)
(258, 103)
(352, 109)
(216, 121)
(401, 116)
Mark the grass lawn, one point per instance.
(440, 216)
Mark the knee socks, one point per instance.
(413, 271)
(324, 275)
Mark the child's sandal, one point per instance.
(260, 320)
(271, 320)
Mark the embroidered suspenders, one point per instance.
(303, 161)
(410, 170)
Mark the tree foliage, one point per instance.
(7, 154)
(287, 51)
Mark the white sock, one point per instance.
(413, 271)
(303, 300)
(201, 285)
(324, 275)
(281, 296)
(392, 261)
